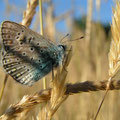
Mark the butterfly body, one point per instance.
(28, 56)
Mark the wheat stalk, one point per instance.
(29, 13)
(28, 102)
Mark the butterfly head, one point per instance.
(62, 47)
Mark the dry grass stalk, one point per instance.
(29, 13)
(89, 22)
(98, 2)
(28, 102)
(25, 104)
(87, 39)
(56, 99)
(49, 20)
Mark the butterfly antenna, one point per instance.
(64, 37)
(74, 39)
(107, 89)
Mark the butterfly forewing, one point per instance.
(27, 58)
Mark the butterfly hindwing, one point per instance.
(26, 72)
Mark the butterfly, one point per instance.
(28, 56)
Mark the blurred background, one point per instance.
(89, 18)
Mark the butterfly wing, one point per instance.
(27, 53)
(15, 35)
(24, 70)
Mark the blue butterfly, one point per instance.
(28, 56)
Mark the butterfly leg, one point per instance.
(65, 58)
(63, 62)
(52, 73)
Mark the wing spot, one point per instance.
(39, 61)
(30, 39)
(32, 58)
(5, 61)
(8, 36)
(22, 30)
(41, 51)
(24, 54)
(41, 66)
(21, 43)
(16, 77)
(32, 49)
(28, 69)
(18, 33)
(38, 44)
(4, 36)
(17, 37)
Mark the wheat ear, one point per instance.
(114, 54)
(29, 12)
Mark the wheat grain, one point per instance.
(29, 13)
(114, 54)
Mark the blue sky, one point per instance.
(61, 6)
